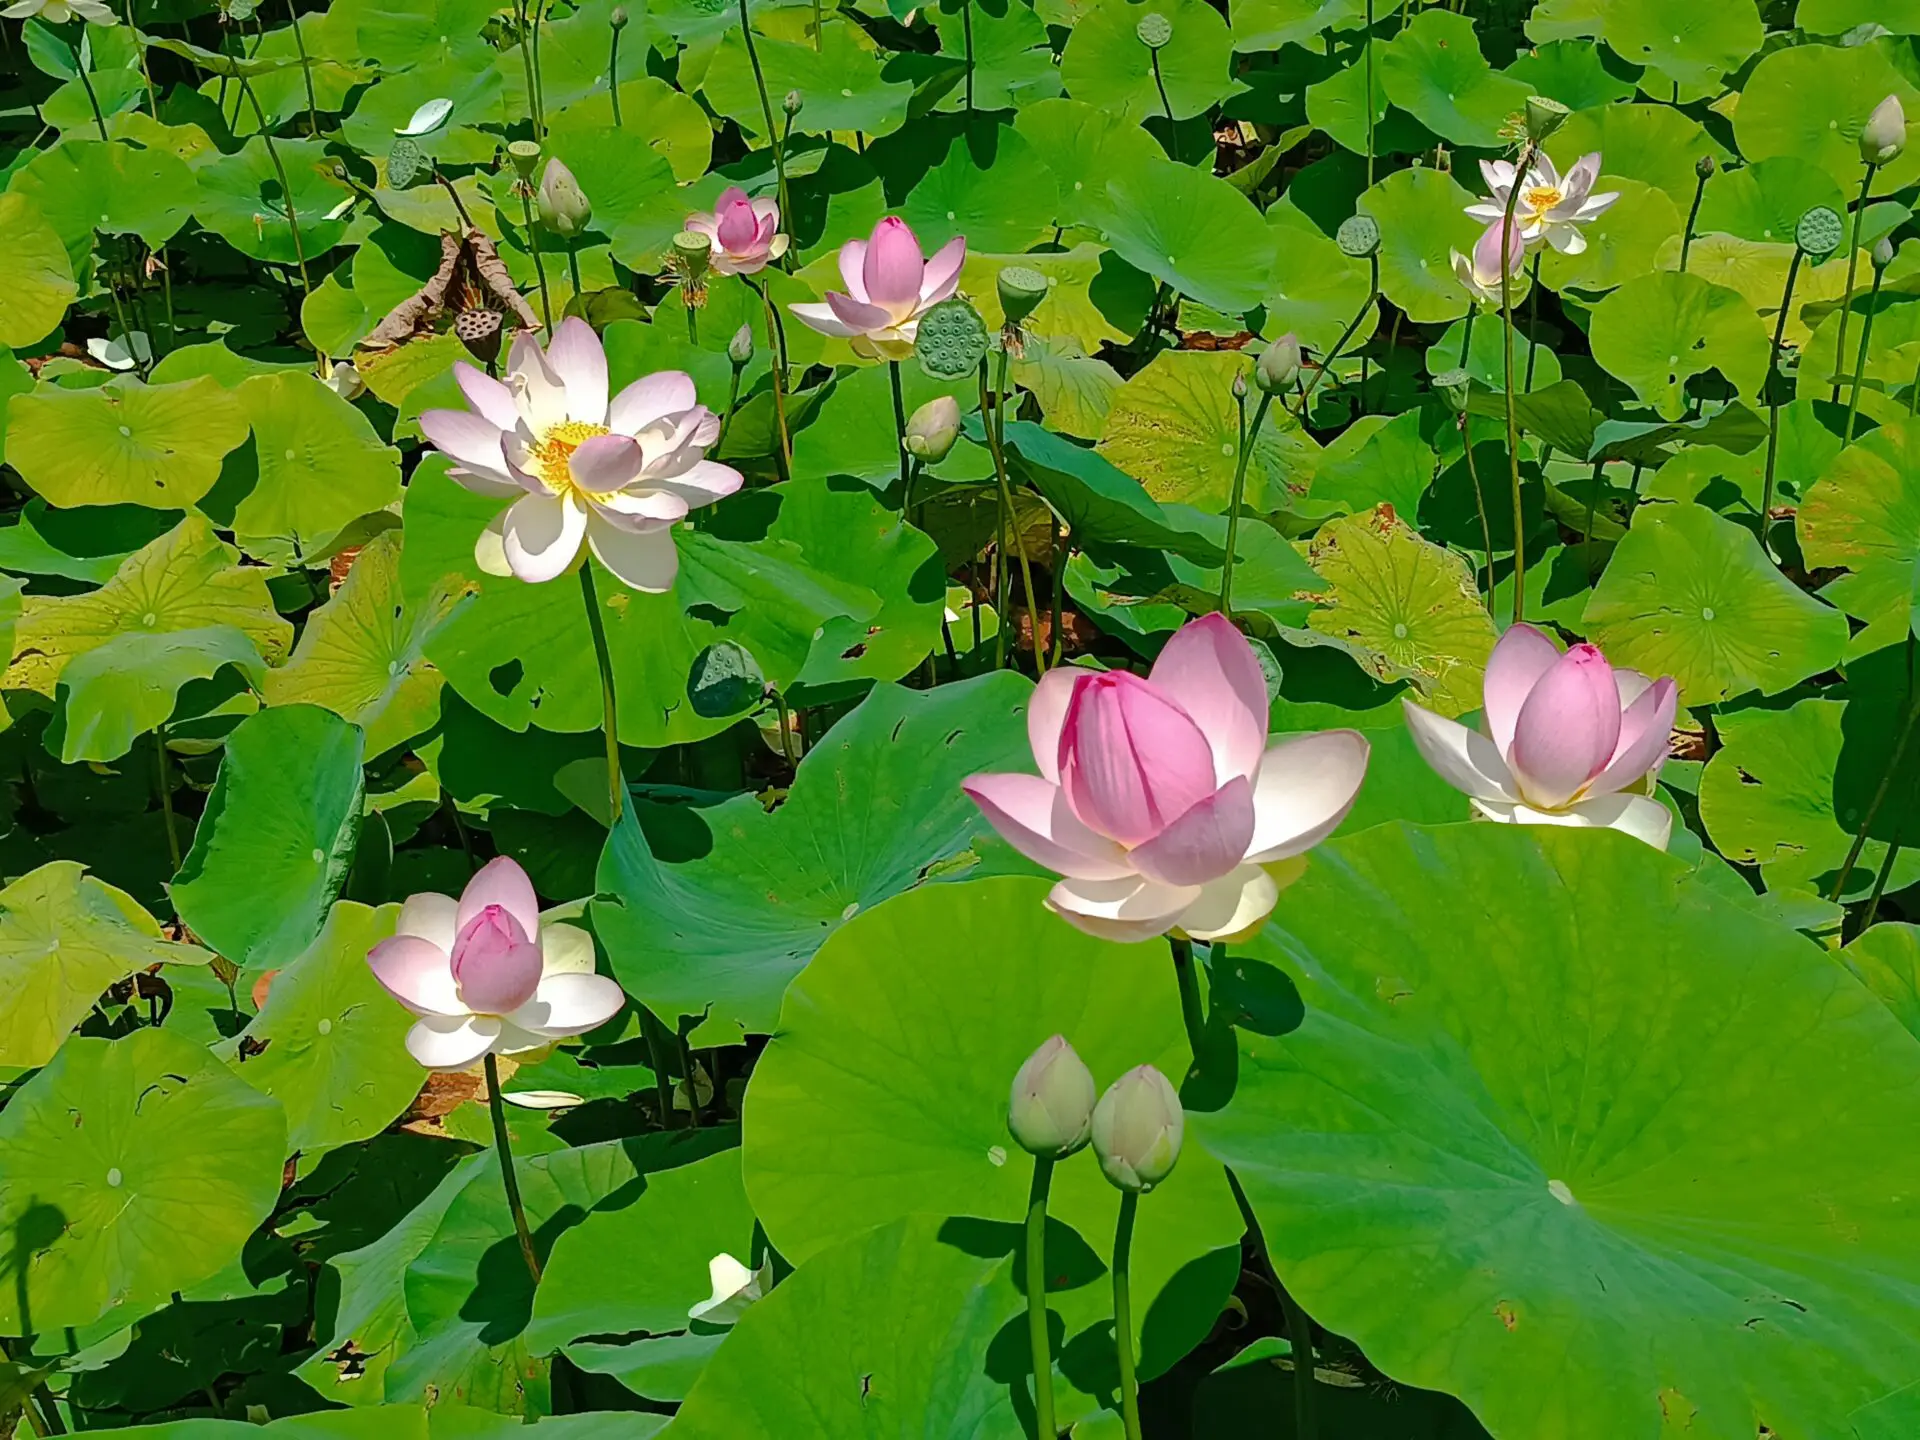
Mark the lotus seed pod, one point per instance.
(564, 207)
(1021, 288)
(740, 347)
(525, 155)
(479, 331)
(1884, 135)
(1051, 1111)
(1154, 30)
(1454, 386)
(1137, 1129)
(792, 103)
(1882, 253)
(618, 19)
(1358, 236)
(694, 251)
(1544, 116)
(1279, 365)
(952, 340)
(1704, 167)
(1819, 232)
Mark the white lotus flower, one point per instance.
(735, 1287)
(122, 352)
(1552, 206)
(1479, 273)
(616, 474)
(58, 12)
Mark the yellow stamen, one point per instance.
(551, 454)
(1541, 198)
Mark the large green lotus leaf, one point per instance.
(64, 938)
(1101, 504)
(241, 200)
(124, 443)
(1337, 106)
(1433, 69)
(1837, 17)
(88, 544)
(1863, 515)
(1656, 144)
(1012, 60)
(1722, 479)
(1693, 47)
(1764, 201)
(1574, 1192)
(843, 84)
(1405, 607)
(431, 32)
(1075, 390)
(1068, 310)
(1317, 288)
(272, 849)
(853, 431)
(875, 809)
(1376, 460)
(1626, 242)
(1483, 355)
(321, 465)
(672, 122)
(1084, 146)
(1106, 63)
(1191, 231)
(135, 1168)
(40, 275)
(884, 1093)
(1660, 330)
(637, 1264)
(330, 1044)
(117, 189)
(888, 1333)
(1810, 101)
(443, 1421)
(188, 579)
(362, 654)
(1886, 959)
(1768, 798)
(1570, 72)
(1000, 196)
(1691, 595)
(635, 203)
(1421, 224)
(118, 691)
(1175, 426)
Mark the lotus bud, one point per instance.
(1544, 116)
(740, 348)
(1882, 253)
(525, 155)
(564, 207)
(618, 19)
(1051, 1111)
(932, 430)
(792, 103)
(1704, 167)
(1137, 1129)
(694, 251)
(1154, 30)
(1021, 288)
(1884, 135)
(1279, 365)
(1239, 387)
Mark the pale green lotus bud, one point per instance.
(1137, 1129)
(564, 207)
(1279, 365)
(1051, 1111)
(1239, 387)
(1884, 135)
(792, 103)
(1544, 116)
(1021, 289)
(1704, 167)
(740, 348)
(618, 19)
(931, 431)
(1882, 255)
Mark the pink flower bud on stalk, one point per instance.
(1138, 1127)
(564, 207)
(1479, 274)
(933, 429)
(1569, 740)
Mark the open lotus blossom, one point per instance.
(58, 12)
(1552, 206)
(1160, 801)
(735, 1287)
(1480, 272)
(889, 287)
(1570, 740)
(745, 233)
(617, 474)
(485, 976)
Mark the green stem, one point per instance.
(966, 31)
(1533, 320)
(573, 274)
(1060, 556)
(1886, 780)
(1173, 134)
(613, 76)
(166, 796)
(1773, 398)
(1306, 394)
(1586, 530)
(1250, 435)
(1300, 1341)
(146, 74)
(777, 334)
(539, 269)
(1686, 236)
(1480, 504)
(726, 416)
(1192, 1015)
(526, 65)
(86, 80)
(900, 424)
(1123, 1314)
(1853, 268)
(616, 786)
(306, 71)
(1880, 884)
(766, 111)
(654, 1032)
(1860, 361)
(539, 77)
(1466, 337)
(498, 1109)
(995, 427)
(1037, 1338)
(1513, 423)
(286, 185)
(1370, 104)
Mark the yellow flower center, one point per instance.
(1542, 198)
(553, 451)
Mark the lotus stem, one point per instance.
(1773, 400)
(535, 10)
(1693, 214)
(146, 74)
(1306, 393)
(1123, 1314)
(573, 274)
(1192, 1015)
(1300, 1341)
(766, 112)
(1037, 1338)
(1533, 321)
(1060, 558)
(498, 1109)
(733, 401)
(900, 426)
(1173, 134)
(1249, 436)
(286, 186)
(306, 69)
(995, 426)
(1369, 65)
(1466, 336)
(166, 796)
(1886, 779)
(1480, 504)
(526, 65)
(616, 786)
(1860, 361)
(1853, 268)
(1586, 530)
(539, 268)
(613, 75)
(86, 81)
(777, 332)
(966, 31)
(1513, 423)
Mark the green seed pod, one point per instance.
(931, 432)
(1021, 288)
(525, 155)
(952, 340)
(1279, 365)
(1358, 236)
(694, 252)
(1137, 1129)
(1819, 232)
(1154, 30)
(740, 347)
(403, 163)
(1051, 1111)
(1544, 116)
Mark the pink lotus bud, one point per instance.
(1131, 760)
(893, 267)
(495, 965)
(1567, 730)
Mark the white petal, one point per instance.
(1640, 816)
(428, 118)
(539, 393)
(431, 917)
(1464, 758)
(1305, 788)
(578, 359)
(565, 950)
(644, 560)
(541, 534)
(1232, 905)
(1129, 910)
(446, 1042)
(569, 1004)
(667, 392)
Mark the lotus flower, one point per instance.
(735, 1287)
(1160, 801)
(1552, 206)
(1480, 273)
(889, 287)
(1570, 740)
(745, 233)
(58, 12)
(485, 976)
(617, 474)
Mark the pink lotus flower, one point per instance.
(1160, 801)
(1552, 206)
(485, 976)
(745, 233)
(1480, 274)
(616, 474)
(889, 287)
(1570, 740)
